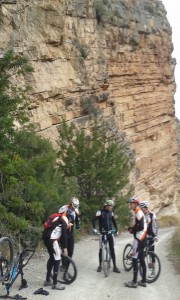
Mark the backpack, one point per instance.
(51, 220)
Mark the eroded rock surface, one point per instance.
(112, 57)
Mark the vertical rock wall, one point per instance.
(108, 57)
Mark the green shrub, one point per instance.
(175, 246)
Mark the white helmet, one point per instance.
(144, 204)
(75, 202)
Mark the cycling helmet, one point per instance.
(109, 203)
(144, 204)
(133, 199)
(75, 202)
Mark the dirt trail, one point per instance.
(91, 285)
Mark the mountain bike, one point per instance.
(153, 264)
(106, 254)
(67, 270)
(11, 270)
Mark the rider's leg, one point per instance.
(100, 256)
(70, 247)
(111, 247)
(143, 264)
(135, 269)
(112, 251)
(50, 261)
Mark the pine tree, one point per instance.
(99, 166)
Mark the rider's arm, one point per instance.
(114, 223)
(154, 225)
(63, 239)
(77, 219)
(94, 220)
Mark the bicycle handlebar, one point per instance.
(106, 232)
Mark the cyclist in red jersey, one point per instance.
(52, 235)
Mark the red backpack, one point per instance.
(51, 220)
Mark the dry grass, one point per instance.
(175, 248)
(167, 221)
(174, 251)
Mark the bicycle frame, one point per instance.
(14, 272)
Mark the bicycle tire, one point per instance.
(6, 257)
(67, 267)
(127, 257)
(152, 273)
(106, 259)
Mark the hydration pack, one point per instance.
(51, 220)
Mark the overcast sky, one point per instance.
(173, 15)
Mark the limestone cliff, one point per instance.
(107, 56)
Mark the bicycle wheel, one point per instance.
(153, 267)
(106, 259)
(67, 270)
(6, 257)
(127, 257)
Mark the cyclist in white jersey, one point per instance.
(152, 228)
(139, 230)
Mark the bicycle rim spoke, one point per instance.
(127, 258)
(152, 268)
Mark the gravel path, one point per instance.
(91, 285)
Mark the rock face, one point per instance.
(111, 57)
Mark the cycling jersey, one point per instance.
(139, 226)
(58, 231)
(106, 220)
(139, 230)
(73, 217)
(152, 229)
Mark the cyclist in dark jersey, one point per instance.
(106, 220)
(72, 213)
(56, 233)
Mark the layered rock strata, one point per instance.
(110, 58)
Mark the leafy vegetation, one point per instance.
(82, 48)
(30, 185)
(100, 167)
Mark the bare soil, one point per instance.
(91, 285)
